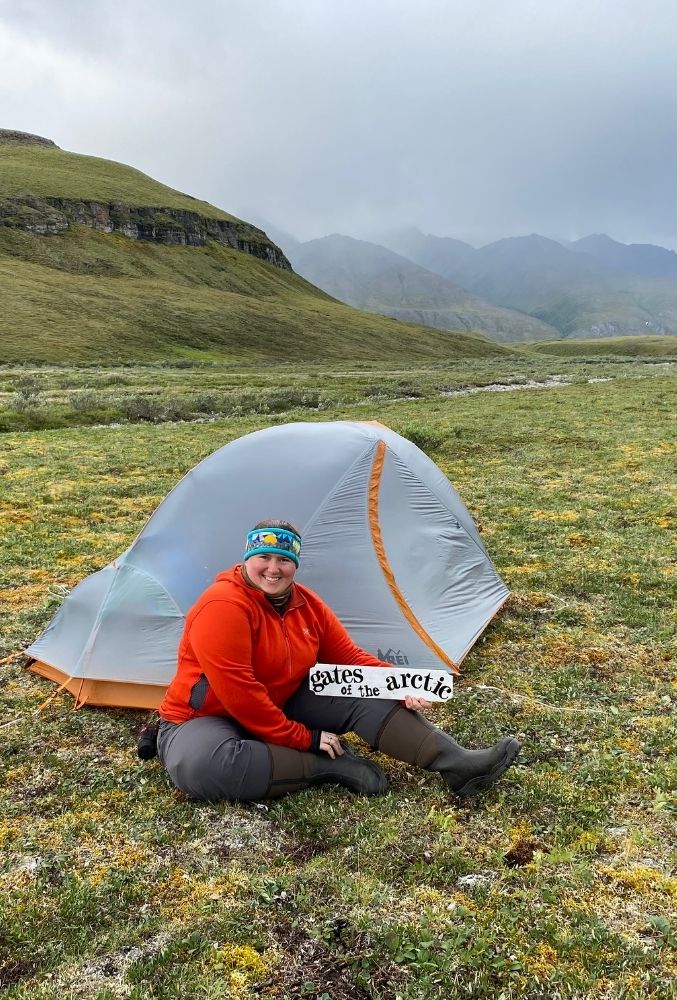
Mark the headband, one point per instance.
(274, 541)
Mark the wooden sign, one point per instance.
(345, 681)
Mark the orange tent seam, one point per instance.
(377, 540)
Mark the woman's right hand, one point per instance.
(330, 743)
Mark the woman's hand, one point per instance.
(330, 743)
(415, 704)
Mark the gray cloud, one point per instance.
(472, 120)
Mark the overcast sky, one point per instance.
(469, 118)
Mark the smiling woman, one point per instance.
(272, 574)
(239, 720)
(272, 557)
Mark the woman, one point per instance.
(239, 720)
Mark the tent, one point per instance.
(387, 543)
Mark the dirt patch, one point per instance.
(324, 967)
(110, 969)
(12, 971)
(307, 850)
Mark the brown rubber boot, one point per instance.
(408, 736)
(293, 770)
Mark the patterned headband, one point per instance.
(274, 541)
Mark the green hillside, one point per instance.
(629, 347)
(50, 172)
(83, 295)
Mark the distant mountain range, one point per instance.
(520, 288)
(374, 278)
(642, 259)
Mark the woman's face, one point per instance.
(273, 574)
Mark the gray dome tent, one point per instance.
(387, 543)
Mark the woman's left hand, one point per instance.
(331, 744)
(415, 704)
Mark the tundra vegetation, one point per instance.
(558, 883)
(41, 397)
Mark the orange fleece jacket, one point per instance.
(254, 659)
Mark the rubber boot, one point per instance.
(293, 770)
(408, 736)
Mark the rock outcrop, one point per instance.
(10, 137)
(169, 226)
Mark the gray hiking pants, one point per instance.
(214, 758)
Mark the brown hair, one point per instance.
(273, 522)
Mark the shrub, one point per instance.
(423, 436)
(86, 401)
(244, 405)
(115, 379)
(408, 389)
(27, 395)
(176, 408)
(137, 408)
(385, 391)
(11, 422)
(280, 400)
(205, 402)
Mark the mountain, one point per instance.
(579, 293)
(371, 277)
(281, 237)
(525, 272)
(573, 291)
(440, 254)
(642, 259)
(100, 263)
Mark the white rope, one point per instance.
(18, 718)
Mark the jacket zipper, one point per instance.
(281, 619)
(286, 639)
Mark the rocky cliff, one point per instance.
(169, 226)
(158, 224)
(10, 137)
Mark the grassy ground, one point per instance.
(39, 398)
(558, 883)
(604, 346)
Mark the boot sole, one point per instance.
(484, 780)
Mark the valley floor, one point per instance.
(49, 397)
(559, 883)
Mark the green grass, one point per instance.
(87, 296)
(46, 172)
(631, 347)
(115, 885)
